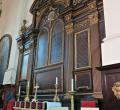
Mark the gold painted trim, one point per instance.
(89, 49)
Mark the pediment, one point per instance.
(37, 4)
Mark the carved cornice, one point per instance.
(39, 4)
(93, 18)
(69, 28)
(82, 24)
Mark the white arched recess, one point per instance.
(111, 44)
(14, 11)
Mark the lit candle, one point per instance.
(72, 85)
(19, 90)
(75, 81)
(75, 78)
(56, 80)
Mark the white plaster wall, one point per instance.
(14, 11)
(111, 44)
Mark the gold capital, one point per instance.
(69, 28)
(93, 18)
(68, 17)
(92, 5)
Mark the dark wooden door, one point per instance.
(111, 75)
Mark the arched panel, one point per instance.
(57, 42)
(5, 48)
(42, 48)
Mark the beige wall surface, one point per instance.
(111, 44)
(14, 11)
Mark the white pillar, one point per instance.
(111, 44)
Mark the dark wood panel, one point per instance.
(110, 75)
(83, 81)
(46, 79)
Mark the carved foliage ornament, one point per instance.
(93, 18)
(69, 28)
(116, 89)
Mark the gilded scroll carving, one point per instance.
(116, 89)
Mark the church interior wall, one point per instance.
(13, 13)
(110, 45)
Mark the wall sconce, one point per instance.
(116, 89)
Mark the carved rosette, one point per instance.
(93, 18)
(69, 28)
(116, 89)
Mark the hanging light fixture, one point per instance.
(0, 7)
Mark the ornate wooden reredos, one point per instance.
(63, 41)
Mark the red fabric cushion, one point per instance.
(10, 105)
(88, 104)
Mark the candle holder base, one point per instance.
(56, 98)
(27, 99)
(72, 94)
(18, 96)
(34, 99)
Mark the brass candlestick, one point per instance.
(56, 98)
(27, 94)
(72, 94)
(35, 96)
(18, 95)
